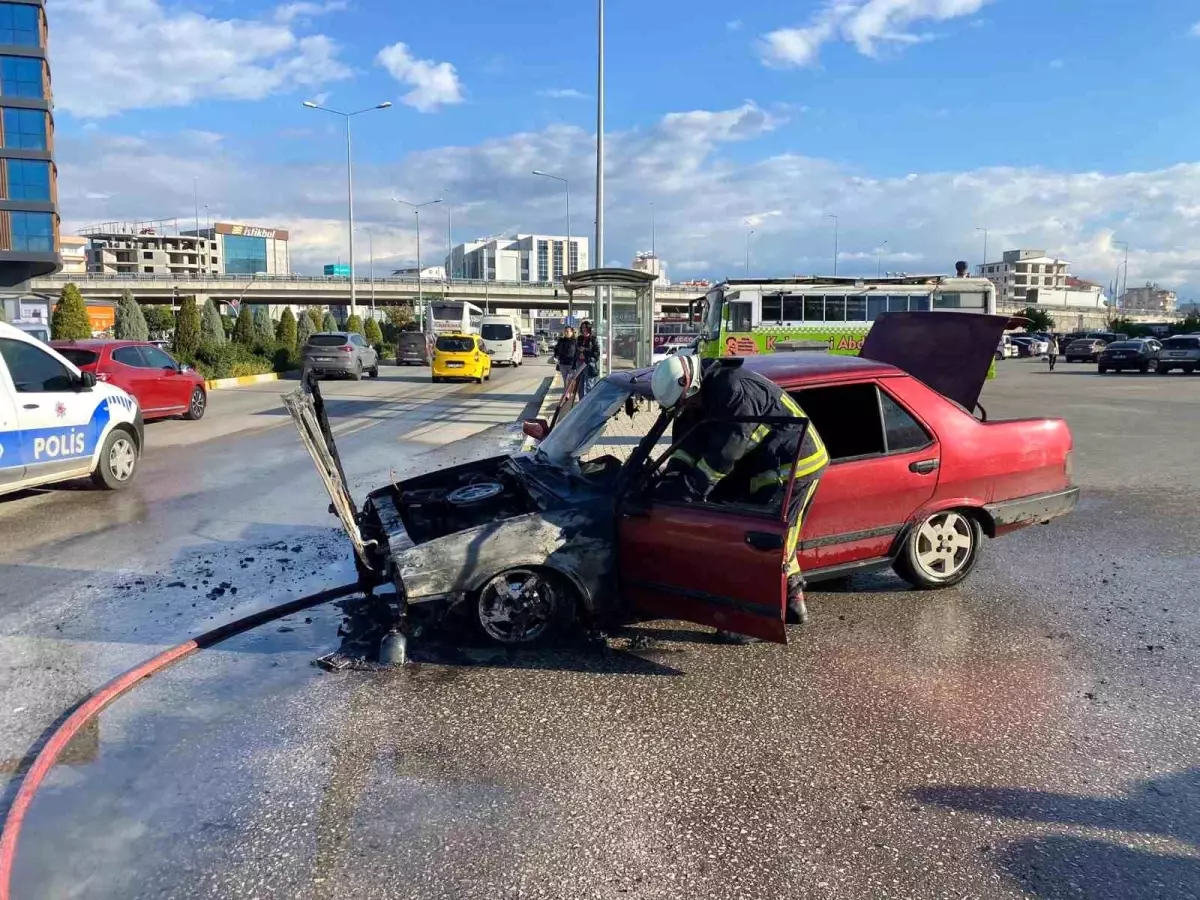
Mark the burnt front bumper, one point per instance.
(1034, 510)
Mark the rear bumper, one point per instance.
(339, 367)
(1035, 510)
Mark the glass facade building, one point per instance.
(29, 244)
(245, 255)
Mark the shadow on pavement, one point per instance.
(1070, 866)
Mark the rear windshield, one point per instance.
(1181, 343)
(496, 331)
(412, 339)
(455, 344)
(78, 356)
(327, 340)
(1125, 345)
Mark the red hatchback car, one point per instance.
(526, 543)
(161, 386)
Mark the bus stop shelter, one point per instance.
(624, 314)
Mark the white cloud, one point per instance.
(871, 25)
(563, 94)
(152, 57)
(1195, 32)
(733, 25)
(433, 84)
(702, 199)
(290, 12)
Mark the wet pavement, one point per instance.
(1031, 733)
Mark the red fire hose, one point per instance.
(120, 685)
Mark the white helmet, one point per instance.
(675, 379)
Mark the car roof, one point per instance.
(793, 366)
(99, 343)
(456, 334)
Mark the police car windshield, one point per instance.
(574, 435)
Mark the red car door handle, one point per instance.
(923, 466)
(764, 540)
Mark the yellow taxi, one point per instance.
(460, 356)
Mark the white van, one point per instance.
(58, 423)
(502, 340)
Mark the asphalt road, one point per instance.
(1031, 733)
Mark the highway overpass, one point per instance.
(320, 290)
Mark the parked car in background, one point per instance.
(1024, 344)
(413, 348)
(1180, 352)
(460, 356)
(1118, 355)
(38, 330)
(162, 386)
(529, 346)
(339, 353)
(1108, 336)
(671, 347)
(1084, 350)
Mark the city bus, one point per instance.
(455, 317)
(741, 317)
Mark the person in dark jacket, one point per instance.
(587, 354)
(743, 461)
(565, 353)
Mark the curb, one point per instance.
(216, 384)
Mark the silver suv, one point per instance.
(1180, 352)
(339, 353)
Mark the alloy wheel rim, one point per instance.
(197, 403)
(516, 607)
(944, 545)
(121, 459)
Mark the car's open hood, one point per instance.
(951, 352)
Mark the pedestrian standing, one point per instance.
(587, 356)
(565, 352)
(1052, 352)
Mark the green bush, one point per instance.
(372, 332)
(264, 328)
(243, 328)
(70, 321)
(316, 315)
(212, 329)
(160, 319)
(286, 331)
(187, 329)
(130, 324)
(386, 351)
(354, 324)
(328, 323)
(230, 361)
(304, 330)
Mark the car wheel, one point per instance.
(358, 372)
(197, 405)
(521, 607)
(373, 371)
(1164, 370)
(1104, 369)
(1188, 370)
(940, 551)
(1144, 368)
(118, 461)
(436, 380)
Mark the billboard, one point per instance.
(271, 234)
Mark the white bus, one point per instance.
(455, 317)
(502, 340)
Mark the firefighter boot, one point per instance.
(797, 611)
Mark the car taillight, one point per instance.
(349, 348)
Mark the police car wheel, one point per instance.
(198, 404)
(118, 461)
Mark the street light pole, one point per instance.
(836, 223)
(449, 239)
(606, 363)
(748, 233)
(985, 237)
(416, 208)
(566, 262)
(1124, 287)
(879, 261)
(349, 183)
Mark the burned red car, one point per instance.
(530, 542)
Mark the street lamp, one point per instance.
(836, 223)
(748, 233)
(416, 208)
(1125, 285)
(879, 261)
(567, 188)
(371, 270)
(349, 182)
(449, 238)
(985, 237)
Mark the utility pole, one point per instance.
(985, 237)
(836, 223)
(606, 363)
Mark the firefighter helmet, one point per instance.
(675, 379)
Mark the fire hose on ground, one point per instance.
(122, 684)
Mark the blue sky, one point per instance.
(1052, 124)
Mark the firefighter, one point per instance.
(742, 461)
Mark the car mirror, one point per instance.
(537, 429)
(86, 381)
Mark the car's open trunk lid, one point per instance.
(951, 352)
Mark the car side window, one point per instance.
(32, 370)
(130, 356)
(900, 429)
(157, 359)
(847, 417)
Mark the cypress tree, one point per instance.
(70, 321)
(130, 324)
(187, 329)
(243, 328)
(212, 331)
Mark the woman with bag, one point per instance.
(587, 354)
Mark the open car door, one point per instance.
(717, 564)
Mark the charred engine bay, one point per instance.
(447, 502)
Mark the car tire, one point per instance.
(1144, 368)
(118, 461)
(197, 405)
(357, 374)
(940, 550)
(435, 380)
(536, 619)
(1188, 370)
(1164, 370)
(1104, 369)
(479, 380)
(373, 371)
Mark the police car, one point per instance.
(58, 423)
